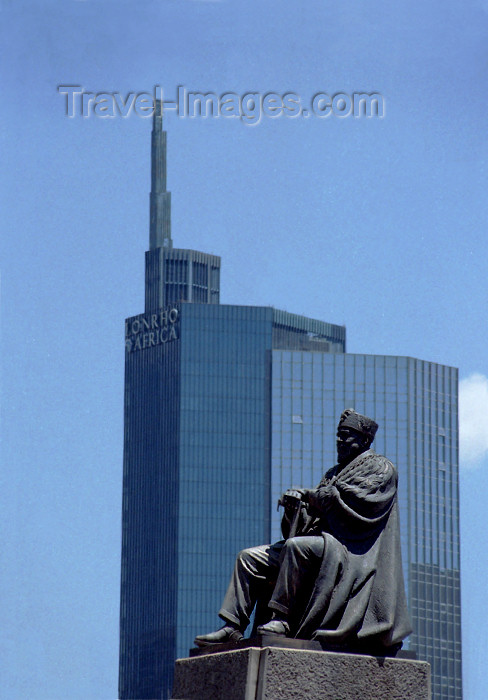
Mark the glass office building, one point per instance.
(415, 404)
(228, 406)
(197, 469)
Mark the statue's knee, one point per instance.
(293, 544)
(305, 546)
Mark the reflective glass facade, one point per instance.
(150, 503)
(197, 473)
(415, 404)
(223, 453)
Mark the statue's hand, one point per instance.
(296, 493)
(293, 494)
(292, 498)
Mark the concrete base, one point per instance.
(273, 673)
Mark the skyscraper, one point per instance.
(226, 407)
(416, 406)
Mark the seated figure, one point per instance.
(337, 576)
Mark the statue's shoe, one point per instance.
(275, 627)
(222, 636)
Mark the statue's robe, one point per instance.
(358, 601)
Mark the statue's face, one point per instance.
(350, 444)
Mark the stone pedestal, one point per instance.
(274, 673)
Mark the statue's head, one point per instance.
(355, 433)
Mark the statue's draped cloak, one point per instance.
(358, 600)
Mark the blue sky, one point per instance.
(378, 224)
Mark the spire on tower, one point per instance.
(160, 199)
(173, 275)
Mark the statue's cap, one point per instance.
(351, 419)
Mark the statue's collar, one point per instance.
(341, 467)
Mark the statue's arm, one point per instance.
(295, 520)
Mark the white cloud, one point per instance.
(473, 420)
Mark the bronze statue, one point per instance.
(337, 576)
